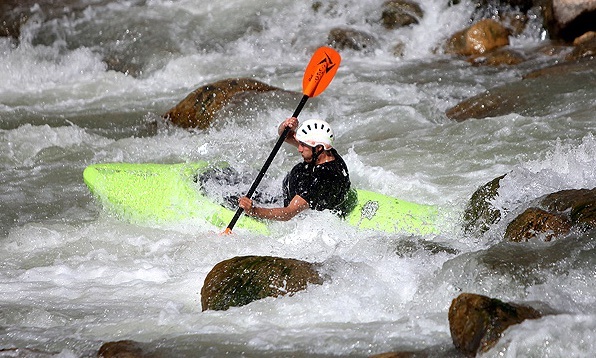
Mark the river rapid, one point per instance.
(73, 277)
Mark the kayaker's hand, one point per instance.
(291, 122)
(246, 204)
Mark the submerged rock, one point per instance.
(563, 69)
(528, 96)
(499, 57)
(492, 103)
(15, 13)
(242, 280)
(26, 353)
(121, 349)
(476, 322)
(199, 108)
(346, 38)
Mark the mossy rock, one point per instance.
(242, 280)
(479, 214)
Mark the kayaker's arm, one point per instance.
(297, 205)
(292, 123)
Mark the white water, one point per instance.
(72, 277)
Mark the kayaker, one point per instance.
(320, 182)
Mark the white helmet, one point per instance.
(315, 132)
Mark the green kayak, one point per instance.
(168, 193)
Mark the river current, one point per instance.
(73, 277)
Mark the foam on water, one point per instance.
(23, 144)
(555, 336)
(565, 167)
(73, 276)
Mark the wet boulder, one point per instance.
(477, 322)
(342, 38)
(535, 221)
(554, 215)
(242, 280)
(400, 13)
(481, 37)
(479, 213)
(199, 108)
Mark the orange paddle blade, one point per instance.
(320, 71)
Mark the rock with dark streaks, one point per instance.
(535, 221)
(199, 108)
(479, 213)
(477, 322)
(242, 280)
(554, 215)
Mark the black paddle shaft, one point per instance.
(261, 174)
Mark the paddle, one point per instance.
(318, 74)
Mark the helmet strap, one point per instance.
(315, 155)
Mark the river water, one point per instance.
(73, 277)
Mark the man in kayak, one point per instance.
(320, 182)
